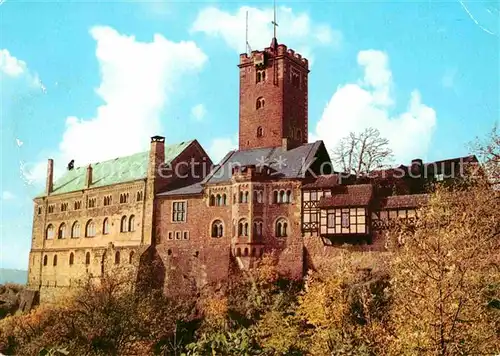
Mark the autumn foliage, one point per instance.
(436, 291)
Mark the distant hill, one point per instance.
(13, 276)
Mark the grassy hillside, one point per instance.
(13, 276)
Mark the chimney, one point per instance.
(156, 156)
(49, 184)
(88, 178)
(416, 168)
(284, 143)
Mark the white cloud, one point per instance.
(13, 67)
(138, 80)
(295, 29)
(198, 112)
(369, 103)
(6, 195)
(221, 146)
(10, 65)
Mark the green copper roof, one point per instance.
(118, 170)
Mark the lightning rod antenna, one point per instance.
(247, 45)
(275, 24)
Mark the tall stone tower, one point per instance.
(273, 98)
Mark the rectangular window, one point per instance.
(179, 211)
(185, 235)
(331, 220)
(345, 219)
(51, 209)
(177, 235)
(170, 235)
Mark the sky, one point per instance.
(91, 81)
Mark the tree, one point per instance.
(446, 275)
(344, 307)
(109, 316)
(362, 153)
(488, 152)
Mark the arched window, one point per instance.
(131, 257)
(241, 197)
(217, 228)
(260, 131)
(87, 258)
(71, 258)
(61, 234)
(281, 228)
(45, 260)
(261, 76)
(105, 226)
(260, 103)
(281, 198)
(275, 197)
(75, 230)
(288, 196)
(243, 228)
(246, 252)
(90, 229)
(259, 196)
(54, 261)
(224, 199)
(246, 197)
(218, 200)
(123, 224)
(139, 196)
(117, 257)
(131, 223)
(257, 228)
(49, 232)
(212, 200)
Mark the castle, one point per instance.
(277, 193)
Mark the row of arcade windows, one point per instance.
(280, 228)
(92, 202)
(279, 197)
(71, 260)
(218, 200)
(127, 225)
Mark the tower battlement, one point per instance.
(269, 52)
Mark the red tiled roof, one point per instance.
(349, 195)
(323, 181)
(404, 201)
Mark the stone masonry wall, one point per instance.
(62, 274)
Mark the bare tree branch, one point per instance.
(362, 153)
